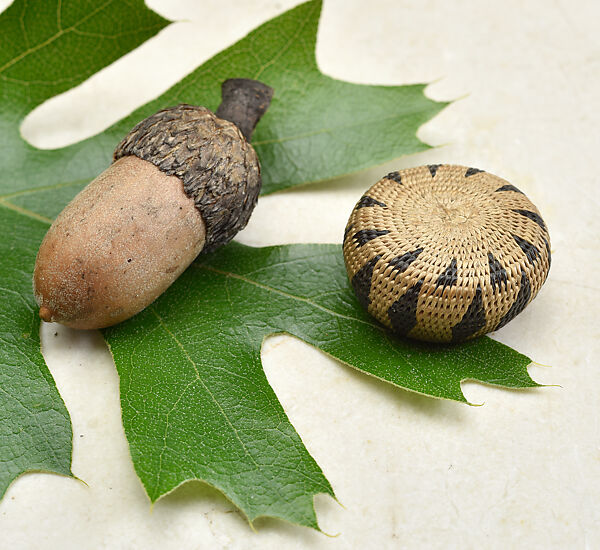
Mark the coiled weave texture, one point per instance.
(445, 253)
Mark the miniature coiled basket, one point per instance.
(445, 253)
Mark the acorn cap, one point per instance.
(210, 154)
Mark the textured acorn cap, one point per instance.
(219, 169)
(445, 253)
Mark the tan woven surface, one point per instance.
(445, 253)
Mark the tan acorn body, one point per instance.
(183, 181)
(117, 246)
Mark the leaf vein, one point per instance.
(53, 38)
(25, 212)
(286, 294)
(207, 389)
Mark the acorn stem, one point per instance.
(244, 102)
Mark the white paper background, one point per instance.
(523, 471)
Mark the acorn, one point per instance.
(183, 181)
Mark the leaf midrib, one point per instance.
(351, 125)
(285, 294)
(43, 188)
(25, 212)
(164, 326)
(206, 388)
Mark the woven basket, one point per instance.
(445, 253)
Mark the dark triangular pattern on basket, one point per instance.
(509, 188)
(433, 168)
(394, 176)
(520, 302)
(473, 320)
(449, 277)
(549, 256)
(528, 248)
(347, 231)
(472, 172)
(532, 216)
(361, 282)
(366, 201)
(399, 264)
(403, 312)
(365, 235)
(498, 274)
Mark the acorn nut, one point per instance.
(183, 181)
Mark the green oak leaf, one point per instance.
(195, 400)
(35, 428)
(49, 47)
(316, 127)
(196, 407)
(45, 48)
